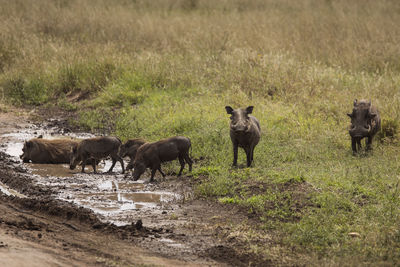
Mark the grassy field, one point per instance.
(159, 68)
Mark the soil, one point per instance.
(53, 220)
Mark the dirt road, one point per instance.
(64, 220)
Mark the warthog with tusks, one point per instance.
(365, 122)
(245, 132)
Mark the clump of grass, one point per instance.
(389, 129)
(85, 77)
(132, 69)
(31, 91)
(8, 53)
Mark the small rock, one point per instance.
(164, 212)
(97, 225)
(139, 224)
(354, 234)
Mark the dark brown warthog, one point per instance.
(54, 151)
(151, 155)
(365, 122)
(245, 132)
(129, 149)
(96, 148)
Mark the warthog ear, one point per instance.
(249, 109)
(355, 102)
(229, 109)
(350, 115)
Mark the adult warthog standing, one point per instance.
(55, 151)
(245, 132)
(96, 148)
(151, 155)
(365, 122)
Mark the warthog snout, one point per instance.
(365, 122)
(241, 126)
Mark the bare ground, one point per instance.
(41, 230)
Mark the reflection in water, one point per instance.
(115, 198)
(44, 170)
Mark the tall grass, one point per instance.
(159, 68)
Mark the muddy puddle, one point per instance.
(10, 192)
(113, 197)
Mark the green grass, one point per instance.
(135, 70)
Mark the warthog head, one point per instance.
(26, 151)
(361, 119)
(74, 158)
(240, 121)
(138, 169)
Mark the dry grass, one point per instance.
(360, 35)
(164, 67)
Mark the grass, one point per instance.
(169, 67)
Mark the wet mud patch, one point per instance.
(163, 217)
(113, 197)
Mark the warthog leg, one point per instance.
(112, 165)
(83, 165)
(189, 161)
(94, 164)
(353, 145)
(235, 154)
(359, 144)
(153, 172)
(368, 143)
(182, 162)
(114, 161)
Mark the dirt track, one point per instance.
(43, 230)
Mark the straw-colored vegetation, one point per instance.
(159, 68)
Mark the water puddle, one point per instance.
(10, 192)
(172, 243)
(113, 197)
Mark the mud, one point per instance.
(162, 218)
(113, 197)
(10, 192)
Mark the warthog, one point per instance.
(244, 131)
(39, 150)
(129, 149)
(365, 122)
(151, 155)
(96, 148)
